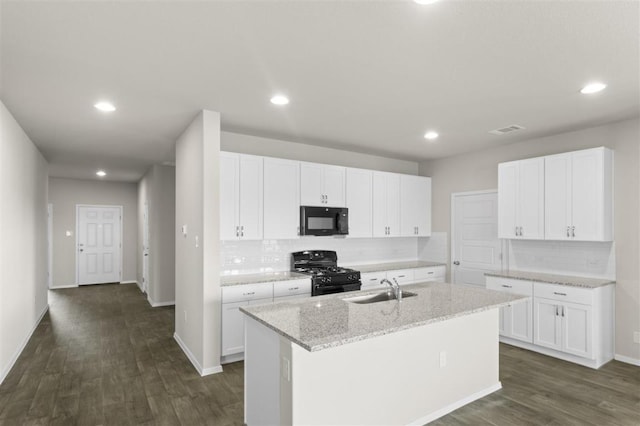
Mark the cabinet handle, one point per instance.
(242, 231)
(559, 294)
(507, 286)
(516, 232)
(401, 276)
(521, 231)
(573, 231)
(563, 310)
(293, 288)
(237, 231)
(568, 234)
(556, 310)
(430, 273)
(251, 293)
(373, 279)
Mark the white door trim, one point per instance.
(78, 206)
(453, 231)
(50, 245)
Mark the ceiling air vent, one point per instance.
(508, 129)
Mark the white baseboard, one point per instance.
(63, 286)
(129, 282)
(627, 359)
(591, 363)
(17, 353)
(454, 406)
(194, 361)
(158, 304)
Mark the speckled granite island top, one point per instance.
(379, 267)
(553, 279)
(265, 277)
(327, 321)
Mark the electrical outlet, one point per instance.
(636, 337)
(285, 369)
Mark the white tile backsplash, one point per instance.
(588, 259)
(435, 248)
(248, 257)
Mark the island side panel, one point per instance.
(261, 374)
(397, 378)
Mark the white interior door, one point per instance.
(145, 249)
(475, 247)
(99, 233)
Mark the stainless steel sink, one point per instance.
(378, 297)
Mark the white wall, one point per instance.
(478, 170)
(64, 194)
(157, 189)
(197, 253)
(246, 144)
(23, 239)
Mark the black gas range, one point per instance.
(326, 276)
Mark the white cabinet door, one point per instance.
(229, 195)
(548, 327)
(577, 323)
(587, 196)
(415, 206)
(311, 191)
(281, 199)
(250, 198)
(359, 200)
(393, 204)
(507, 199)
(520, 322)
(521, 199)
(372, 280)
(557, 197)
(531, 199)
(403, 276)
(232, 328)
(322, 185)
(334, 185)
(379, 204)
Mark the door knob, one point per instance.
(455, 262)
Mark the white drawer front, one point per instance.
(404, 276)
(239, 293)
(299, 287)
(372, 279)
(564, 293)
(433, 273)
(508, 285)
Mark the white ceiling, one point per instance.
(366, 76)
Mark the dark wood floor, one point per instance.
(103, 356)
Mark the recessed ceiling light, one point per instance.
(101, 173)
(105, 106)
(593, 88)
(431, 135)
(280, 100)
(425, 1)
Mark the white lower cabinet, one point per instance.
(516, 321)
(403, 276)
(432, 273)
(373, 280)
(572, 323)
(234, 297)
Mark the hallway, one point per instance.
(102, 355)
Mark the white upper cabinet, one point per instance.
(240, 197)
(360, 202)
(281, 199)
(579, 195)
(521, 199)
(322, 185)
(386, 204)
(415, 206)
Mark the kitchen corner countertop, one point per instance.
(265, 277)
(329, 321)
(553, 279)
(393, 266)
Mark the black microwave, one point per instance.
(324, 220)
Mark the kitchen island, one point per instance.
(328, 360)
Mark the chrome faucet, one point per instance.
(397, 291)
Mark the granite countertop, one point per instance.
(553, 279)
(393, 266)
(265, 277)
(324, 322)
